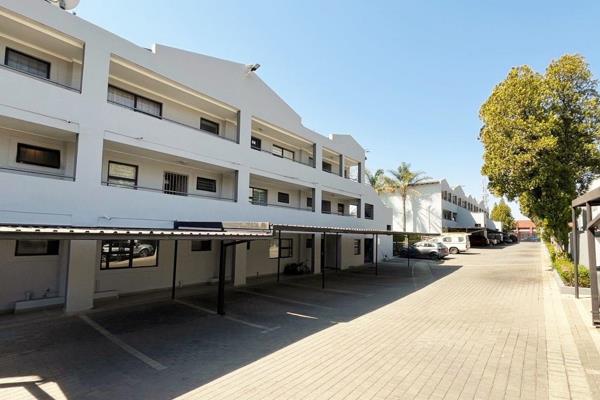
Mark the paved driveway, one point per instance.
(486, 324)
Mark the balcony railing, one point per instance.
(166, 191)
(50, 81)
(307, 163)
(259, 203)
(342, 214)
(196, 128)
(38, 173)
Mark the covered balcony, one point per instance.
(340, 204)
(132, 168)
(32, 149)
(34, 50)
(280, 143)
(332, 162)
(269, 192)
(352, 169)
(143, 91)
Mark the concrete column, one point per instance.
(243, 185)
(244, 130)
(317, 252)
(241, 263)
(342, 165)
(318, 197)
(318, 156)
(360, 172)
(81, 276)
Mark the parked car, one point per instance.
(507, 239)
(456, 242)
(410, 251)
(432, 249)
(495, 238)
(479, 241)
(514, 238)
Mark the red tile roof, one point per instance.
(525, 224)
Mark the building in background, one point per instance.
(103, 135)
(525, 229)
(436, 207)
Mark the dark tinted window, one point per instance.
(206, 184)
(36, 247)
(201, 245)
(255, 143)
(27, 64)
(209, 126)
(326, 206)
(368, 211)
(283, 197)
(34, 155)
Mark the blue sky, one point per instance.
(405, 78)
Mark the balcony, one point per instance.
(332, 162)
(352, 169)
(267, 192)
(39, 52)
(145, 92)
(31, 149)
(280, 143)
(339, 204)
(131, 168)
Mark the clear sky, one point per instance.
(405, 78)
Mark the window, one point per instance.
(309, 243)
(283, 153)
(120, 174)
(259, 196)
(286, 248)
(326, 166)
(117, 254)
(283, 197)
(447, 239)
(135, 102)
(326, 206)
(201, 245)
(356, 247)
(175, 184)
(36, 248)
(206, 184)
(27, 64)
(309, 202)
(369, 211)
(341, 209)
(209, 126)
(35, 155)
(255, 143)
(389, 227)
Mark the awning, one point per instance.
(335, 229)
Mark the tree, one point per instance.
(540, 136)
(502, 212)
(402, 182)
(377, 180)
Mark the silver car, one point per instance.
(430, 249)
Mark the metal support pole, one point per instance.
(324, 251)
(278, 253)
(575, 249)
(221, 295)
(412, 273)
(376, 254)
(591, 243)
(337, 252)
(174, 270)
(313, 254)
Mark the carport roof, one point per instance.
(96, 233)
(592, 197)
(337, 229)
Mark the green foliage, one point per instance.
(566, 268)
(540, 136)
(502, 212)
(377, 180)
(402, 181)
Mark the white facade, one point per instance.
(212, 115)
(436, 207)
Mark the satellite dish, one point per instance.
(68, 4)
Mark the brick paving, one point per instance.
(490, 324)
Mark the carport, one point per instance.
(228, 233)
(590, 227)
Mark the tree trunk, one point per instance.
(404, 213)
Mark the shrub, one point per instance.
(566, 268)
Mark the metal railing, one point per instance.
(166, 191)
(38, 173)
(50, 81)
(307, 163)
(258, 203)
(196, 128)
(341, 214)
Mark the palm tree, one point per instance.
(402, 181)
(377, 180)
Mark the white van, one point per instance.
(456, 242)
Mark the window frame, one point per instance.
(49, 250)
(9, 50)
(283, 150)
(329, 168)
(309, 202)
(134, 181)
(212, 182)
(105, 266)
(342, 207)
(280, 251)
(210, 121)
(135, 102)
(19, 159)
(323, 211)
(258, 141)
(283, 195)
(252, 189)
(357, 249)
(372, 209)
(174, 192)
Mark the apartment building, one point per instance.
(436, 207)
(101, 138)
